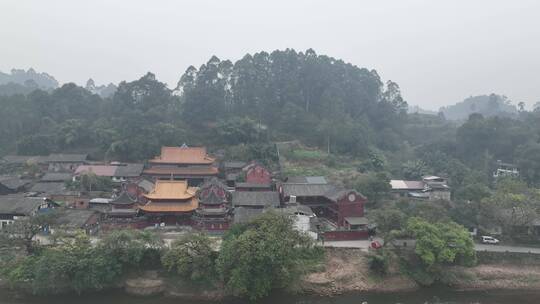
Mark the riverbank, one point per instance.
(347, 271)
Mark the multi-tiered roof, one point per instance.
(171, 196)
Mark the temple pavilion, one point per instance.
(172, 202)
(215, 210)
(182, 163)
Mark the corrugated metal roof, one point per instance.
(406, 185)
(354, 220)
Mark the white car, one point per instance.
(489, 240)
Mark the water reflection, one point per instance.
(427, 296)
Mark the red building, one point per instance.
(214, 212)
(341, 211)
(258, 178)
(257, 174)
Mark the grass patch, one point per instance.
(306, 155)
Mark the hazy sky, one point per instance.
(439, 52)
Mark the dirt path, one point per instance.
(347, 271)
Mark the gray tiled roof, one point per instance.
(307, 180)
(123, 199)
(18, 204)
(252, 185)
(298, 189)
(129, 170)
(13, 182)
(234, 164)
(52, 188)
(56, 177)
(75, 218)
(21, 159)
(244, 215)
(66, 158)
(255, 198)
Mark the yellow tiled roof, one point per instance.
(171, 190)
(183, 155)
(188, 206)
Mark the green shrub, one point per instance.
(192, 258)
(378, 263)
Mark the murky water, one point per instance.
(427, 296)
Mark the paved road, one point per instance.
(504, 248)
(364, 245)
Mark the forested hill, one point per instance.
(487, 105)
(238, 109)
(24, 82)
(317, 98)
(279, 95)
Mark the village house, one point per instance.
(430, 188)
(248, 205)
(71, 221)
(182, 163)
(256, 199)
(304, 219)
(13, 184)
(137, 188)
(14, 207)
(171, 202)
(505, 169)
(257, 178)
(53, 186)
(21, 159)
(340, 211)
(231, 170)
(215, 211)
(117, 172)
(65, 162)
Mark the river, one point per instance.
(426, 296)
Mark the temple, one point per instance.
(182, 163)
(214, 212)
(123, 206)
(171, 202)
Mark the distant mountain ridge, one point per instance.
(103, 90)
(29, 78)
(487, 105)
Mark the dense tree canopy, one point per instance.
(262, 255)
(243, 106)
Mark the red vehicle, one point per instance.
(376, 245)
